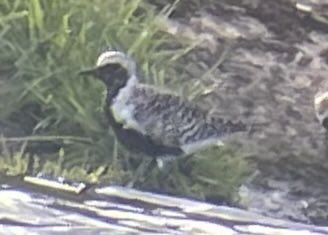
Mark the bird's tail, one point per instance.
(232, 127)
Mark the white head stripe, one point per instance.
(110, 57)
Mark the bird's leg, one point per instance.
(166, 165)
(163, 160)
(145, 167)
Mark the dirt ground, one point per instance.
(275, 60)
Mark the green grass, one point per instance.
(43, 45)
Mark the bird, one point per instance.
(147, 119)
(321, 107)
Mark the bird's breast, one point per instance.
(122, 113)
(123, 110)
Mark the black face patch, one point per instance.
(113, 75)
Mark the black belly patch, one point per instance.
(139, 142)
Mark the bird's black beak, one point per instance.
(107, 73)
(89, 72)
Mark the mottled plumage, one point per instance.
(152, 121)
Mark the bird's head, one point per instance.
(114, 68)
(321, 108)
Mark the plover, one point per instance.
(152, 121)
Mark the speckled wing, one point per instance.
(171, 121)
